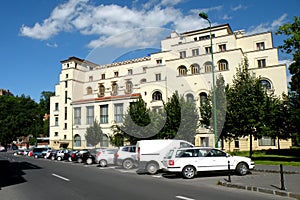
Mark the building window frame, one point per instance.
(89, 115)
(118, 112)
(104, 114)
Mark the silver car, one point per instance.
(105, 157)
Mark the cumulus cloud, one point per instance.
(54, 45)
(264, 27)
(107, 21)
(238, 7)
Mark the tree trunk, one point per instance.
(278, 143)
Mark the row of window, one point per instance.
(77, 140)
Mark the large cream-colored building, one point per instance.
(88, 91)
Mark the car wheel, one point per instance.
(152, 168)
(70, 159)
(89, 161)
(35, 156)
(79, 160)
(127, 164)
(242, 169)
(103, 163)
(189, 172)
(52, 158)
(59, 158)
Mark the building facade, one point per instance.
(87, 91)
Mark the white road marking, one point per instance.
(185, 198)
(156, 176)
(63, 178)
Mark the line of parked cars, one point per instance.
(152, 156)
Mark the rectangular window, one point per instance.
(182, 54)
(237, 144)
(266, 141)
(260, 46)
(56, 134)
(102, 76)
(144, 69)
(116, 74)
(118, 112)
(157, 77)
(207, 50)
(77, 116)
(65, 137)
(66, 113)
(56, 121)
(195, 52)
(56, 106)
(261, 63)
(67, 75)
(66, 84)
(130, 72)
(159, 61)
(66, 96)
(222, 47)
(90, 78)
(89, 115)
(66, 126)
(104, 114)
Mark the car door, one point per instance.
(212, 160)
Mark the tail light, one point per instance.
(139, 153)
(73, 155)
(171, 162)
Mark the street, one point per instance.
(27, 178)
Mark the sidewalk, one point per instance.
(267, 179)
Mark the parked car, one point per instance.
(105, 157)
(126, 157)
(62, 154)
(83, 156)
(39, 152)
(19, 152)
(152, 152)
(189, 161)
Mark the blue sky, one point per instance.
(37, 34)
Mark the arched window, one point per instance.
(266, 84)
(114, 90)
(101, 90)
(89, 90)
(190, 98)
(156, 96)
(207, 66)
(195, 68)
(223, 65)
(203, 97)
(77, 140)
(129, 87)
(182, 70)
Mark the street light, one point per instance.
(71, 123)
(205, 16)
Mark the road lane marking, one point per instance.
(63, 178)
(156, 176)
(184, 198)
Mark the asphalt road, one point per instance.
(27, 178)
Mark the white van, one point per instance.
(152, 152)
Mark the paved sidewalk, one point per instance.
(267, 179)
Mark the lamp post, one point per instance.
(205, 16)
(72, 142)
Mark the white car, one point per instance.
(105, 157)
(126, 156)
(189, 161)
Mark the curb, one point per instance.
(259, 189)
(275, 171)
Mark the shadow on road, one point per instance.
(11, 173)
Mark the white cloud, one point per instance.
(238, 7)
(226, 17)
(54, 45)
(107, 21)
(264, 27)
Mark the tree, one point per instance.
(44, 106)
(189, 120)
(245, 101)
(291, 45)
(138, 123)
(94, 134)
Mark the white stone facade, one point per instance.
(89, 91)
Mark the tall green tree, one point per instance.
(94, 134)
(291, 46)
(245, 101)
(44, 107)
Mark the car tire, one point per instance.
(70, 159)
(35, 156)
(242, 169)
(89, 161)
(59, 158)
(103, 163)
(127, 164)
(52, 158)
(79, 160)
(189, 172)
(152, 168)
